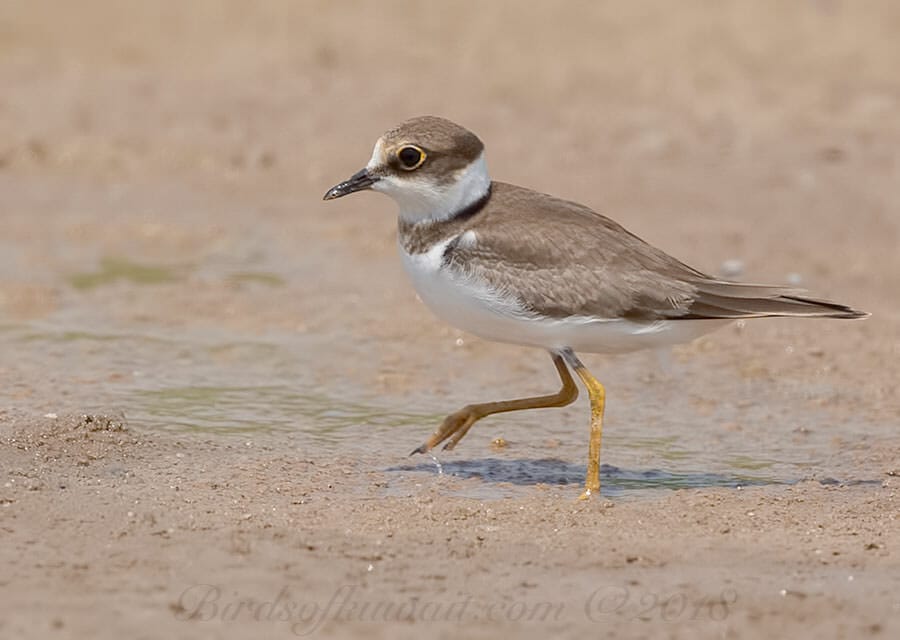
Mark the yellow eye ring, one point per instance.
(411, 157)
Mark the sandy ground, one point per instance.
(161, 169)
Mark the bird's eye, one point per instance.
(411, 157)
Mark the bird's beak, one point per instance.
(357, 182)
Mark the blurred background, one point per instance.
(164, 249)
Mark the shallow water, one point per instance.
(223, 384)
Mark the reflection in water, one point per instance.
(269, 408)
(615, 480)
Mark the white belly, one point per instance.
(470, 305)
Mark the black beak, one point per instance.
(358, 182)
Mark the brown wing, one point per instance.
(559, 258)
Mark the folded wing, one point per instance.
(560, 259)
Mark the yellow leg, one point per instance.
(457, 425)
(597, 395)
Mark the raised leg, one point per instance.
(597, 394)
(457, 425)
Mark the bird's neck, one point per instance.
(440, 202)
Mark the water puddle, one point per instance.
(323, 419)
(219, 383)
(113, 270)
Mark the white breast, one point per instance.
(459, 299)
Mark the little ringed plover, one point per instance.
(513, 265)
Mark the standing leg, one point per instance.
(457, 425)
(597, 395)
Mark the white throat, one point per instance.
(420, 198)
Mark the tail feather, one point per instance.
(733, 300)
(744, 289)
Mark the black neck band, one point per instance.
(473, 208)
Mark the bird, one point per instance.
(513, 265)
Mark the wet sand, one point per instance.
(210, 380)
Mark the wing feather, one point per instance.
(559, 259)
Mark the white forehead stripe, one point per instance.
(377, 153)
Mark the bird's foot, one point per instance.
(455, 427)
(590, 491)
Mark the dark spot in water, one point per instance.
(828, 482)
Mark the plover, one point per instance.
(513, 265)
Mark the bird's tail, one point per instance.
(726, 300)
